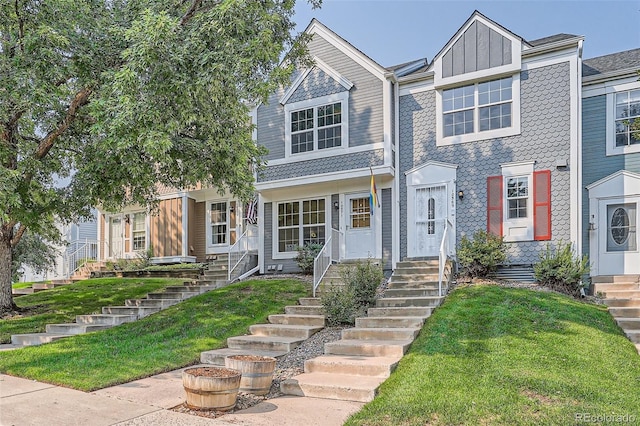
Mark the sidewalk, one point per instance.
(26, 402)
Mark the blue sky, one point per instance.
(396, 31)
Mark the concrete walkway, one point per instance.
(146, 402)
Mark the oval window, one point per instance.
(620, 226)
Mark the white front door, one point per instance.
(359, 236)
(430, 216)
(618, 237)
(116, 237)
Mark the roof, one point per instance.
(619, 61)
(551, 39)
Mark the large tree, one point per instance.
(118, 96)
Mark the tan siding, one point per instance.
(166, 228)
(232, 223)
(191, 227)
(127, 233)
(200, 232)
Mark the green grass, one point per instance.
(165, 341)
(62, 304)
(498, 356)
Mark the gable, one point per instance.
(316, 84)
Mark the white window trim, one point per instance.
(519, 169)
(612, 149)
(209, 245)
(275, 254)
(477, 135)
(146, 231)
(343, 98)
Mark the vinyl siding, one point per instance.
(199, 236)
(288, 265)
(387, 229)
(166, 228)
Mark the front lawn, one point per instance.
(498, 356)
(164, 341)
(62, 304)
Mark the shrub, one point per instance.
(561, 269)
(306, 255)
(343, 304)
(482, 255)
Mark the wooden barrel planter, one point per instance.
(211, 388)
(257, 372)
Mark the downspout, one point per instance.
(395, 214)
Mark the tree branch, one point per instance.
(18, 235)
(20, 27)
(195, 6)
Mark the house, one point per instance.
(611, 163)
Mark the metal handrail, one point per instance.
(443, 255)
(87, 251)
(239, 250)
(321, 264)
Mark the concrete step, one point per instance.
(45, 286)
(217, 356)
(333, 386)
(428, 263)
(411, 292)
(390, 334)
(633, 335)
(385, 348)
(396, 284)
(416, 270)
(615, 279)
(139, 311)
(311, 320)
(391, 302)
(280, 330)
(173, 295)
(406, 311)
(74, 328)
(625, 312)
(106, 319)
(621, 294)
(309, 301)
(262, 343)
(622, 303)
(303, 310)
(22, 291)
(415, 277)
(191, 287)
(629, 323)
(606, 287)
(155, 303)
(352, 365)
(390, 322)
(35, 339)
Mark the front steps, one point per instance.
(284, 333)
(622, 296)
(354, 367)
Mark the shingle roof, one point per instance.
(551, 39)
(613, 62)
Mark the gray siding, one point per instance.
(479, 48)
(545, 137)
(335, 216)
(595, 163)
(387, 228)
(316, 85)
(288, 265)
(338, 163)
(270, 127)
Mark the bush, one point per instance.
(561, 269)
(306, 256)
(482, 255)
(343, 304)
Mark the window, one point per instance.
(621, 224)
(218, 218)
(139, 231)
(360, 213)
(627, 110)
(479, 111)
(517, 196)
(299, 223)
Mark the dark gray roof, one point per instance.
(551, 39)
(613, 62)
(404, 64)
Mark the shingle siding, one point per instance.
(316, 85)
(545, 138)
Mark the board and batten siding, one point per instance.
(199, 236)
(545, 138)
(595, 163)
(166, 228)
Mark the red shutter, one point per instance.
(494, 205)
(542, 205)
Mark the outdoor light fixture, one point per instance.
(336, 205)
(461, 194)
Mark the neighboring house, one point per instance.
(611, 163)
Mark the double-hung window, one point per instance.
(218, 223)
(316, 128)
(627, 112)
(299, 223)
(139, 231)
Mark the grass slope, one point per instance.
(492, 355)
(62, 304)
(167, 340)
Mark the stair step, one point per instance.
(352, 365)
(417, 263)
(155, 303)
(107, 319)
(191, 287)
(621, 294)
(74, 328)
(22, 291)
(139, 311)
(390, 302)
(34, 339)
(303, 310)
(415, 277)
(622, 303)
(605, 287)
(386, 348)
(625, 312)
(416, 270)
(399, 284)
(389, 322)
(309, 301)
(411, 292)
(268, 343)
(217, 356)
(402, 311)
(391, 334)
(173, 295)
(603, 279)
(333, 386)
(298, 331)
(633, 335)
(629, 323)
(311, 320)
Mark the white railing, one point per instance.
(238, 252)
(330, 253)
(81, 252)
(444, 254)
(336, 243)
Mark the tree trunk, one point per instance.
(6, 297)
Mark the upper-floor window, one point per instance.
(627, 111)
(316, 124)
(479, 111)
